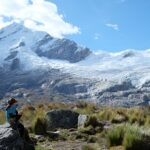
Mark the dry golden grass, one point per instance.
(117, 148)
(136, 115)
(2, 117)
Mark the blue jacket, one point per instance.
(11, 111)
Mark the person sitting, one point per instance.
(13, 116)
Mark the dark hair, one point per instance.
(12, 101)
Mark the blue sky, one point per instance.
(111, 25)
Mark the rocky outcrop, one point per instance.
(15, 64)
(11, 140)
(71, 86)
(63, 49)
(62, 119)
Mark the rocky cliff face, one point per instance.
(62, 49)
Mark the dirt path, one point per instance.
(75, 145)
(67, 145)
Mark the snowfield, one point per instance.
(119, 66)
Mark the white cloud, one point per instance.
(113, 26)
(97, 36)
(36, 14)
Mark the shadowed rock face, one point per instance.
(11, 140)
(12, 55)
(63, 49)
(15, 64)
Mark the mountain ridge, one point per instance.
(61, 67)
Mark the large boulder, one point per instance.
(11, 140)
(62, 119)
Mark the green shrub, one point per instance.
(131, 137)
(106, 114)
(135, 140)
(115, 136)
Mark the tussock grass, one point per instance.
(136, 115)
(131, 137)
(115, 136)
(132, 134)
(39, 126)
(83, 107)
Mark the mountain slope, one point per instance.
(34, 65)
(18, 39)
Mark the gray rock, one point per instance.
(10, 140)
(62, 119)
(82, 119)
(71, 86)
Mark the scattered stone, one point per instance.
(39, 138)
(54, 135)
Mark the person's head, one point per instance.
(12, 101)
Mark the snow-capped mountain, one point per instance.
(34, 65)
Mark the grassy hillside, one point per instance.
(130, 127)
